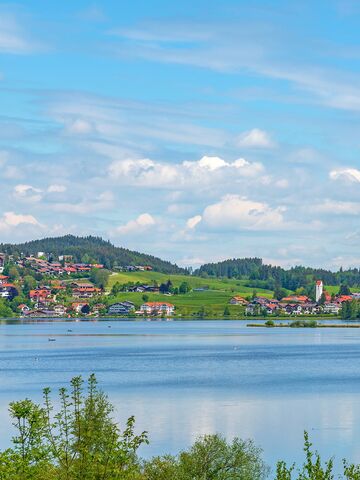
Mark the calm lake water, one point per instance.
(182, 379)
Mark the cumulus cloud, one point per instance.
(10, 220)
(146, 172)
(347, 174)
(255, 138)
(140, 224)
(193, 221)
(28, 193)
(233, 212)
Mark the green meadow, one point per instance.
(212, 301)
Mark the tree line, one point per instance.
(260, 275)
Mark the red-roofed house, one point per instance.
(237, 300)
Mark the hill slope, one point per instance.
(261, 274)
(90, 249)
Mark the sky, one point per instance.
(195, 131)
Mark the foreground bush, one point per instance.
(210, 458)
(314, 468)
(80, 441)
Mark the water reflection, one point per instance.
(183, 379)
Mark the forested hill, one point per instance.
(90, 249)
(269, 276)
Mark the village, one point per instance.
(45, 300)
(63, 288)
(297, 304)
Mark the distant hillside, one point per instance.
(271, 277)
(90, 249)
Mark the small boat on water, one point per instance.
(52, 339)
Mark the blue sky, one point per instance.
(195, 131)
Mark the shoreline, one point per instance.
(321, 325)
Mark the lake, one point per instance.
(182, 379)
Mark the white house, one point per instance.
(157, 308)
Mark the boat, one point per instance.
(52, 339)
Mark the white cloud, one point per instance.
(233, 212)
(10, 220)
(56, 188)
(80, 127)
(255, 138)
(140, 224)
(28, 193)
(347, 174)
(193, 221)
(207, 170)
(338, 207)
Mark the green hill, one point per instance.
(260, 274)
(89, 249)
(212, 294)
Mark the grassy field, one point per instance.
(212, 300)
(225, 285)
(335, 289)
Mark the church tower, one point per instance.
(318, 290)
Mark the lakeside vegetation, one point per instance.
(77, 438)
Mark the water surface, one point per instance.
(186, 378)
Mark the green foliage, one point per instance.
(322, 299)
(100, 277)
(210, 458)
(350, 310)
(260, 275)
(312, 469)
(80, 441)
(184, 288)
(279, 293)
(13, 273)
(5, 310)
(270, 323)
(29, 283)
(303, 324)
(344, 290)
(226, 311)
